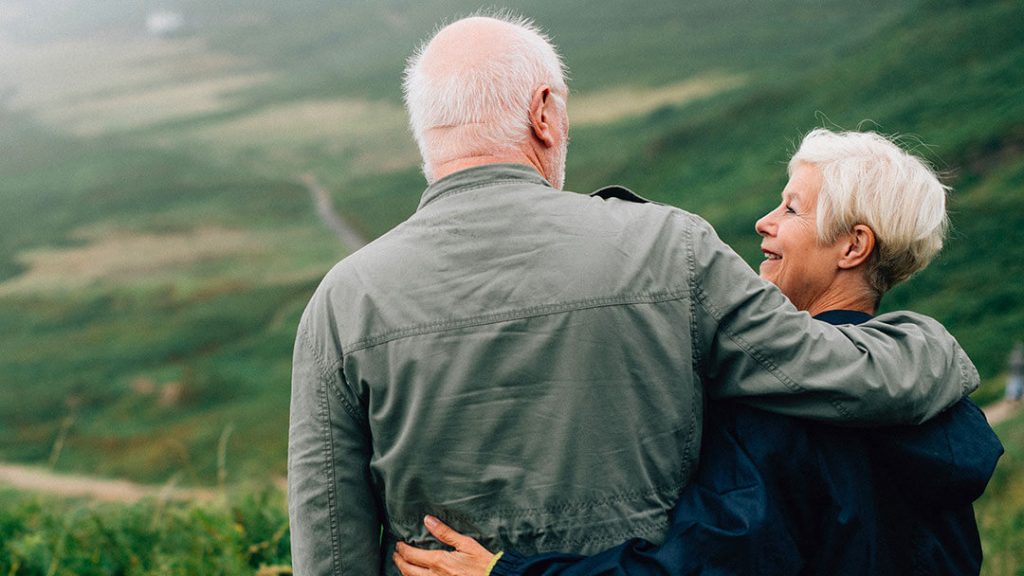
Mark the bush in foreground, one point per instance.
(50, 536)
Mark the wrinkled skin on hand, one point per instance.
(468, 558)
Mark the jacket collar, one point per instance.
(479, 177)
(837, 317)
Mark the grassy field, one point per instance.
(244, 535)
(157, 246)
(1000, 511)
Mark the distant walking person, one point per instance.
(1015, 382)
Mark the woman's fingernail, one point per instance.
(430, 521)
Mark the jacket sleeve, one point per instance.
(335, 523)
(753, 345)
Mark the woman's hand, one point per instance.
(468, 559)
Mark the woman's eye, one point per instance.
(789, 210)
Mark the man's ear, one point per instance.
(542, 108)
(857, 247)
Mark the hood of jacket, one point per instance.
(945, 461)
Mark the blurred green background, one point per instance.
(157, 244)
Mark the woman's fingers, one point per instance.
(417, 556)
(444, 532)
(468, 559)
(408, 569)
(449, 536)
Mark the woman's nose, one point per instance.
(765, 224)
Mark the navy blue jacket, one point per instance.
(778, 495)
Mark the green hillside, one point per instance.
(157, 245)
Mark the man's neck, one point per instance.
(526, 156)
(460, 164)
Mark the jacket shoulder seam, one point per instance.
(330, 374)
(515, 314)
(321, 364)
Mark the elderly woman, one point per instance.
(777, 495)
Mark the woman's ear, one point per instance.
(858, 246)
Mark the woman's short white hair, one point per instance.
(480, 108)
(868, 179)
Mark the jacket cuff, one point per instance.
(508, 564)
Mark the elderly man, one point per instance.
(530, 365)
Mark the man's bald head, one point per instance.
(468, 89)
(470, 42)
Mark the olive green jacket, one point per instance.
(530, 365)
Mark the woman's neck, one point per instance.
(847, 293)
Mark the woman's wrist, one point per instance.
(493, 562)
(507, 563)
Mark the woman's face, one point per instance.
(794, 260)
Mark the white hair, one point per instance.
(481, 107)
(868, 179)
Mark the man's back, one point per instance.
(522, 359)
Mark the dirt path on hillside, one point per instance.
(1000, 411)
(348, 235)
(34, 479)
